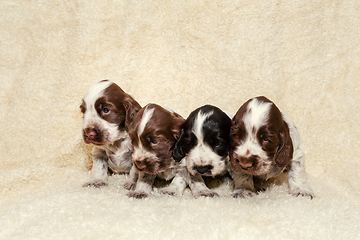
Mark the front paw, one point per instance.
(137, 194)
(243, 193)
(130, 185)
(169, 191)
(98, 183)
(302, 192)
(205, 193)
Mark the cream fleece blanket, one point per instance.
(302, 54)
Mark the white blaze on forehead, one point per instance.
(198, 124)
(139, 152)
(92, 118)
(96, 91)
(256, 115)
(202, 154)
(144, 120)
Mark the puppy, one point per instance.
(265, 142)
(107, 112)
(153, 133)
(205, 144)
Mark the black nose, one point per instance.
(203, 169)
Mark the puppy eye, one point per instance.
(152, 141)
(264, 138)
(105, 110)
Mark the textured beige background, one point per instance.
(304, 55)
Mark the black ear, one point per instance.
(284, 153)
(178, 151)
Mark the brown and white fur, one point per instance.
(153, 133)
(264, 142)
(107, 112)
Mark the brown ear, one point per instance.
(178, 122)
(132, 107)
(285, 151)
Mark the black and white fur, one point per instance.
(204, 145)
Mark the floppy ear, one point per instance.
(178, 121)
(285, 151)
(132, 107)
(178, 151)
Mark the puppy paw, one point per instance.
(243, 193)
(98, 183)
(137, 195)
(130, 185)
(205, 193)
(169, 191)
(302, 192)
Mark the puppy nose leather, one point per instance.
(90, 133)
(246, 164)
(140, 165)
(203, 169)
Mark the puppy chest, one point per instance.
(168, 174)
(120, 162)
(274, 171)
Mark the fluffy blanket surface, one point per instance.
(302, 54)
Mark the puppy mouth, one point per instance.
(149, 168)
(255, 170)
(95, 137)
(94, 142)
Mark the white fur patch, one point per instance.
(139, 151)
(202, 154)
(256, 116)
(96, 91)
(198, 124)
(294, 132)
(145, 119)
(91, 116)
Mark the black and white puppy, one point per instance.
(204, 143)
(107, 112)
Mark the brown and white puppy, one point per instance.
(265, 142)
(153, 133)
(108, 111)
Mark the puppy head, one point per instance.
(107, 112)
(153, 133)
(205, 142)
(259, 138)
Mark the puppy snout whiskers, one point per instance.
(203, 169)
